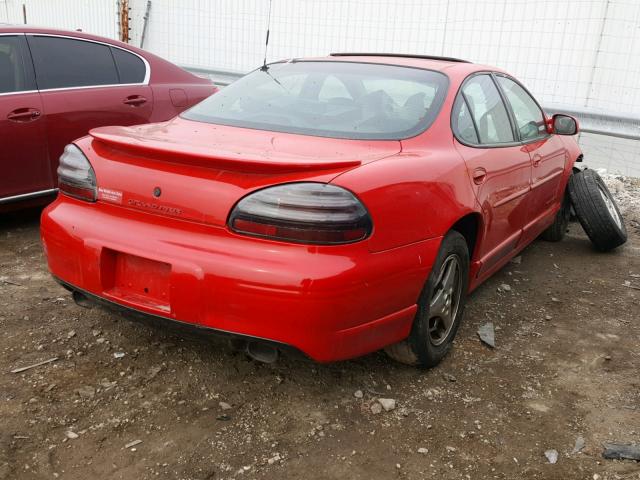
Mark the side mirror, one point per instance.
(564, 124)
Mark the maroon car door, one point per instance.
(24, 169)
(547, 152)
(86, 84)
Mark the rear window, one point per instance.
(329, 99)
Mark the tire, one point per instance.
(557, 230)
(597, 210)
(434, 329)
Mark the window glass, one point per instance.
(12, 75)
(331, 99)
(488, 110)
(463, 123)
(529, 117)
(64, 62)
(130, 67)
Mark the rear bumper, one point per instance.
(331, 303)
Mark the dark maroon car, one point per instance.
(56, 85)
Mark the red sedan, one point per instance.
(55, 86)
(336, 205)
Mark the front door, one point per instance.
(547, 152)
(24, 167)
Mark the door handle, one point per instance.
(479, 175)
(537, 158)
(135, 100)
(23, 115)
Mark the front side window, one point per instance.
(64, 62)
(329, 99)
(488, 110)
(529, 117)
(12, 74)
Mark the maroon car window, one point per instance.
(12, 74)
(64, 62)
(529, 116)
(329, 99)
(487, 109)
(131, 68)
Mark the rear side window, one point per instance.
(529, 117)
(65, 62)
(463, 123)
(487, 110)
(131, 68)
(13, 77)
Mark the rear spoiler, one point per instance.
(127, 140)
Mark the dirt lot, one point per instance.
(565, 365)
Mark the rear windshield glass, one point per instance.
(329, 99)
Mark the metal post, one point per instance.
(144, 25)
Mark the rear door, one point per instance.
(547, 152)
(24, 169)
(86, 84)
(498, 165)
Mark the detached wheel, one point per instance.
(440, 307)
(597, 210)
(557, 230)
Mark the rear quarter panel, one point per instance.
(415, 195)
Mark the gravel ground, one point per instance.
(129, 401)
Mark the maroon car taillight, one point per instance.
(313, 213)
(76, 177)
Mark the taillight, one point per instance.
(314, 213)
(75, 175)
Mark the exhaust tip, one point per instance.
(82, 300)
(262, 352)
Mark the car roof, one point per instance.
(17, 28)
(453, 67)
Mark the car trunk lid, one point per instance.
(197, 171)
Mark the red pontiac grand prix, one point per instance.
(57, 85)
(336, 205)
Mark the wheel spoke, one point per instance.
(448, 279)
(438, 303)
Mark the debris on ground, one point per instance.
(132, 444)
(487, 334)
(358, 394)
(24, 369)
(423, 450)
(504, 287)
(619, 451)
(580, 443)
(552, 455)
(224, 406)
(387, 403)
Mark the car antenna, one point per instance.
(266, 43)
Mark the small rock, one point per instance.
(487, 334)
(358, 394)
(618, 451)
(387, 403)
(71, 334)
(516, 260)
(548, 317)
(552, 455)
(376, 408)
(86, 392)
(95, 333)
(71, 435)
(554, 299)
(449, 377)
(423, 451)
(580, 443)
(450, 449)
(274, 459)
(118, 354)
(224, 406)
(223, 418)
(504, 288)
